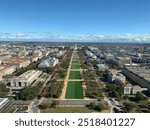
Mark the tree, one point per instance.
(114, 91)
(30, 92)
(3, 90)
(139, 96)
(111, 87)
(45, 104)
(103, 105)
(114, 94)
(54, 104)
(128, 107)
(92, 105)
(49, 70)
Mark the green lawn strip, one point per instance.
(75, 66)
(75, 58)
(74, 90)
(74, 75)
(73, 61)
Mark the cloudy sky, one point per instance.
(75, 20)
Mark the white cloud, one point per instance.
(84, 37)
(23, 35)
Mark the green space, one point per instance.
(30, 92)
(75, 66)
(89, 75)
(3, 90)
(67, 110)
(75, 61)
(74, 75)
(74, 90)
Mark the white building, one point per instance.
(102, 67)
(90, 54)
(51, 62)
(133, 89)
(116, 75)
(60, 53)
(25, 79)
(127, 90)
(6, 70)
(109, 57)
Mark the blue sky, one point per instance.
(75, 20)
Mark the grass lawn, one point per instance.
(74, 75)
(67, 110)
(75, 66)
(74, 90)
(75, 61)
(75, 58)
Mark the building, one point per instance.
(61, 53)
(102, 67)
(129, 89)
(140, 75)
(114, 75)
(5, 104)
(51, 62)
(25, 79)
(18, 62)
(137, 88)
(124, 60)
(109, 57)
(6, 70)
(34, 58)
(90, 54)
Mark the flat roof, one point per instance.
(3, 101)
(28, 74)
(141, 71)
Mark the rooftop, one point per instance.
(3, 101)
(28, 74)
(141, 71)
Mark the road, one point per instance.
(32, 108)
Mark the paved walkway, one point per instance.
(37, 80)
(66, 80)
(76, 80)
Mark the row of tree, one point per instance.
(82, 58)
(30, 92)
(54, 87)
(114, 91)
(102, 105)
(48, 104)
(88, 75)
(93, 90)
(3, 90)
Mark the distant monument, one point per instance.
(75, 47)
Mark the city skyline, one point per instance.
(75, 20)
